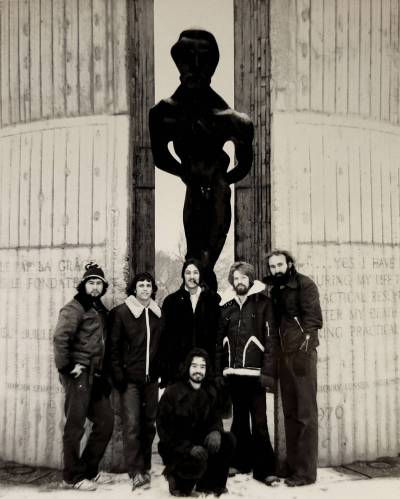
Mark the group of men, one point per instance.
(204, 352)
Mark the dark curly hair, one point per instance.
(142, 276)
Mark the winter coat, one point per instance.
(185, 417)
(134, 347)
(184, 330)
(80, 334)
(248, 336)
(299, 312)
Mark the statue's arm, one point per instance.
(243, 141)
(159, 138)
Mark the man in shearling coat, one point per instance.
(79, 340)
(246, 360)
(296, 302)
(135, 339)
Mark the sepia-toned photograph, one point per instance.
(200, 248)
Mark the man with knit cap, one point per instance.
(135, 339)
(189, 319)
(246, 362)
(79, 351)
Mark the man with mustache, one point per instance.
(246, 350)
(296, 303)
(189, 319)
(193, 446)
(79, 356)
(135, 340)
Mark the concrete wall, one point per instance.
(335, 177)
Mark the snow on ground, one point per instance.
(331, 484)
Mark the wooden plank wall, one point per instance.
(252, 96)
(63, 195)
(62, 58)
(335, 203)
(337, 191)
(336, 57)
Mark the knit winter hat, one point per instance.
(93, 271)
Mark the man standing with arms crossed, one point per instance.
(296, 302)
(79, 341)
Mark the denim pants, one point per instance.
(139, 409)
(79, 405)
(253, 446)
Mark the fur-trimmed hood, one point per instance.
(230, 294)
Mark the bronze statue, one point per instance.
(199, 122)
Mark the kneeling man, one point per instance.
(193, 446)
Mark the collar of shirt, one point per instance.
(194, 297)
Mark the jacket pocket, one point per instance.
(253, 353)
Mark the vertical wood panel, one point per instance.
(366, 191)
(14, 65)
(376, 59)
(85, 57)
(354, 57)
(85, 187)
(394, 68)
(342, 61)
(99, 55)
(316, 54)
(365, 58)
(71, 57)
(15, 165)
(353, 140)
(343, 193)
(46, 191)
(330, 193)
(329, 56)
(72, 186)
(59, 186)
(304, 228)
(24, 66)
(5, 65)
(5, 192)
(385, 67)
(46, 58)
(100, 161)
(25, 180)
(34, 59)
(59, 58)
(386, 208)
(376, 183)
(316, 189)
(303, 54)
(119, 16)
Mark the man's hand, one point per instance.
(268, 382)
(213, 441)
(199, 452)
(77, 370)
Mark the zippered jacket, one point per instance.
(80, 335)
(134, 341)
(298, 310)
(248, 336)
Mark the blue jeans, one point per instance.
(139, 410)
(79, 405)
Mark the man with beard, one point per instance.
(79, 341)
(193, 446)
(296, 302)
(189, 319)
(246, 350)
(135, 339)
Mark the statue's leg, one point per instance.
(193, 222)
(219, 222)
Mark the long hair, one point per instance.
(184, 367)
(196, 263)
(81, 287)
(142, 276)
(243, 267)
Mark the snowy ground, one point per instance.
(331, 484)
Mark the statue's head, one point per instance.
(196, 56)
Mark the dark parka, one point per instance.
(185, 417)
(128, 342)
(247, 337)
(298, 310)
(80, 334)
(182, 330)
